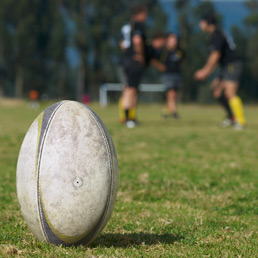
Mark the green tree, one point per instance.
(56, 50)
(32, 38)
(252, 23)
(251, 47)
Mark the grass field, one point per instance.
(187, 188)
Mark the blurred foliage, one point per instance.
(32, 45)
(252, 38)
(36, 37)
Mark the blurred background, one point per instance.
(69, 48)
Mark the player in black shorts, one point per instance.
(225, 85)
(168, 60)
(133, 46)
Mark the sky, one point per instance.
(233, 12)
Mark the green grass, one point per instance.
(187, 188)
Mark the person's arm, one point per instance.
(158, 65)
(212, 62)
(138, 47)
(208, 68)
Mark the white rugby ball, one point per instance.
(67, 175)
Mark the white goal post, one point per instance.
(104, 88)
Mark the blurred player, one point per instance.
(223, 53)
(133, 46)
(168, 62)
(154, 49)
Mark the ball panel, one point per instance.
(114, 176)
(46, 119)
(26, 178)
(75, 147)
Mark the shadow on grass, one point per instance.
(135, 239)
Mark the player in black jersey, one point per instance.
(168, 60)
(225, 86)
(133, 46)
(155, 47)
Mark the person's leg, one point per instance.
(129, 97)
(123, 77)
(129, 101)
(127, 104)
(173, 84)
(235, 101)
(171, 101)
(218, 94)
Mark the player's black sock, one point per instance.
(175, 115)
(224, 102)
(126, 114)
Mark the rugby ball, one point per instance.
(67, 175)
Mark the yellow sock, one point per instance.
(237, 108)
(132, 114)
(122, 117)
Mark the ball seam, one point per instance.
(38, 169)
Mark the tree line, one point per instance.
(37, 37)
